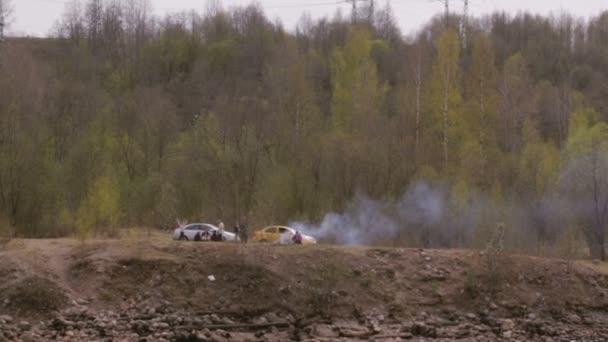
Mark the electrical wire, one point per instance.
(308, 5)
(54, 1)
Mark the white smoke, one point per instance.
(428, 215)
(365, 221)
(421, 205)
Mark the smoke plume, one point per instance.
(365, 221)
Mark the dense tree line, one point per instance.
(127, 119)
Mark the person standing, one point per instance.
(243, 230)
(220, 229)
(237, 233)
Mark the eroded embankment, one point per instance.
(162, 290)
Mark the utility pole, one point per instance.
(447, 13)
(354, 11)
(446, 5)
(1, 29)
(463, 28)
(1, 21)
(355, 14)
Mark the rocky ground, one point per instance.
(164, 291)
(146, 322)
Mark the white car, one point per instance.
(203, 231)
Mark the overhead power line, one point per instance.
(463, 22)
(333, 3)
(55, 1)
(446, 5)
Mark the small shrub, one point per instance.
(471, 285)
(322, 301)
(495, 259)
(491, 270)
(569, 245)
(35, 295)
(436, 288)
(6, 232)
(367, 283)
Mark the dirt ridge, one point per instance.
(159, 290)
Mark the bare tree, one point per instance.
(22, 86)
(464, 23)
(113, 30)
(72, 24)
(93, 15)
(447, 93)
(587, 185)
(6, 11)
(418, 79)
(137, 15)
(446, 6)
(584, 178)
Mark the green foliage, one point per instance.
(226, 114)
(357, 92)
(6, 229)
(478, 154)
(584, 177)
(460, 196)
(471, 285)
(582, 123)
(539, 164)
(223, 53)
(100, 212)
(587, 135)
(446, 97)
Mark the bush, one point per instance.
(471, 285)
(100, 212)
(6, 231)
(492, 268)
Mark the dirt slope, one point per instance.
(157, 289)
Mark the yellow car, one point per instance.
(281, 235)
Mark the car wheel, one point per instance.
(183, 238)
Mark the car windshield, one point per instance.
(283, 230)
(271, 230)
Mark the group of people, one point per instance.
(239, 229)
(215, 235)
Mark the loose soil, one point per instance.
(156, 289)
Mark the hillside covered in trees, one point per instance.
(124, 119)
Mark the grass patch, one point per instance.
(34, 295)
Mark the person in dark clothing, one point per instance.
(236, 231)
(297, 239)
(243, 230)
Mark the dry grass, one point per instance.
(34, 295)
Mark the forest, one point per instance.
(124, 119)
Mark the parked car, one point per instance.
(281, 235)
(203, 230)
